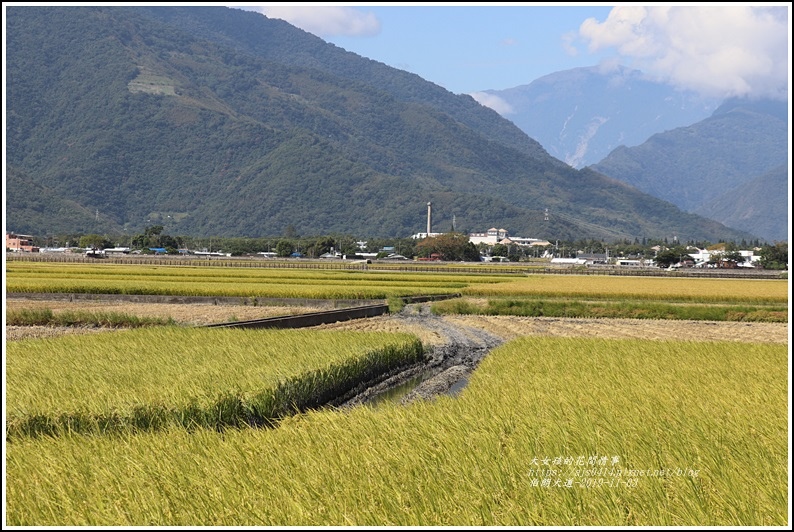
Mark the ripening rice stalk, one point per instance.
(149, 379)
(45, 316)
(240, 282)
(700, 428)
(569, 308)
(643, 288)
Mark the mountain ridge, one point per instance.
(580, 115)
(142, 122)
(697, 167)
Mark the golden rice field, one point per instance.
(709, 290)
(549, 432)
(144, 376)
(359, 284)
(236, 282)
(151, 427)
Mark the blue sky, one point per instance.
(717, 49)
(468, 49)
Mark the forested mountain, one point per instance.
(698, 167)
(582, 114)
(283, 43)
(759, 206)
(217, 121)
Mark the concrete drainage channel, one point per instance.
(326, 316)
(308, 320)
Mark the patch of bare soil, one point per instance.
(509, 327)
(42, 331)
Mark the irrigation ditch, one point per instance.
(444, 369)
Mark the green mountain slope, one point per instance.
(759, 206)
(278, 41)
(39, 210)
(122, 114)
(692, 166)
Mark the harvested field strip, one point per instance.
(148, 379)
(752, 291)
(609, 309)
(511, 327)
(549, 432)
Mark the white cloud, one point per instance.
(720, 51)
(492, 101)
(325, 21)
(568, 43)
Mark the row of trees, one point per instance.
(452, 246)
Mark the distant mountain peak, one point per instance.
(598, 108)
(729, 166)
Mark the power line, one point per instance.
(592, 226)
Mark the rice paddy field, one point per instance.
(240, 282)
(166, 425)
(552, 432)
(574, 296)
(150, 378)
(709, 290)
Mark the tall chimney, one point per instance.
(429, 204)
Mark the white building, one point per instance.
(573, 262)
(703, 256)
(500, 236)
(492, 236)
(521, 241)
